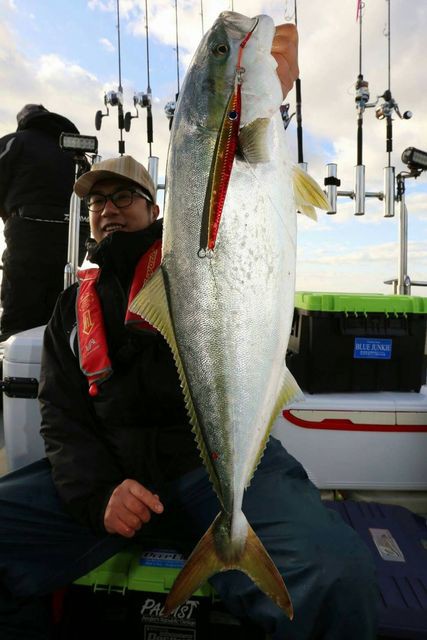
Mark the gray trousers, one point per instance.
(326, 566)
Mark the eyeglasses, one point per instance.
(122, 198)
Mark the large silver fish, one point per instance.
(223, 296)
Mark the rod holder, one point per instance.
(359, 190)
(303, 166)
(388, 192)
(70, 271)
(332, 183)
(153, 169)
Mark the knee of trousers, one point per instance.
(327, 579)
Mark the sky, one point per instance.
(64, 55)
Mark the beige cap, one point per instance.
(121, 167)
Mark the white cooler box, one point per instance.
(21, 414)
(373, 440)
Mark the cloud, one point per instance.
(329, 67)
(102, 5)
(53, 68)
(107, 44)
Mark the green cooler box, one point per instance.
(124, 598)
(344, 342)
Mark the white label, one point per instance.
(387, 545)
(168, 633)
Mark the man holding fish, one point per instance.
(164, 369)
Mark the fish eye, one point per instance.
(220, 49)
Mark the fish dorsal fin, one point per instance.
(290, 392)
(253, 141)
(151, 303)
(308, 194)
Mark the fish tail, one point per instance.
(216, 552)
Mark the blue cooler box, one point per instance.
(397, 539)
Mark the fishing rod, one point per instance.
(115, 98)
(202, 17)
(284, 109)
(144, 100)
(382, 111)
(171, 105)
(298, 111)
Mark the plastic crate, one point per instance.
(348, 342)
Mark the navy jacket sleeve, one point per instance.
(83, 469)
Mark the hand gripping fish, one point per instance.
(223, 296)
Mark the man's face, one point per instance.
(138, 215)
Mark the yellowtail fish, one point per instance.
(223, 296)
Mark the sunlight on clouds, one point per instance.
(53, 67)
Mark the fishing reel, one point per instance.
(362, 93)
(112, 98)
(142, 100)
(385, 110)
(284, 112)
(170, 108)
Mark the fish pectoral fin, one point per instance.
(258, 565)
(151, 303)
(253, 141)
(201, 565)
(308, 194)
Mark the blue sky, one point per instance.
(64, 54)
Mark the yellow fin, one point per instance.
(253, 141)
(207, 559)
(151, 303)
(290, 392)
(308, 210)
(258, 565)
(201, 565)
(308, 193)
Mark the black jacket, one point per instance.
(137, 427)
(34, 171)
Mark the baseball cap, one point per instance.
(121, 167)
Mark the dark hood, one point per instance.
(37, 117)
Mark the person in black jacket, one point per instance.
(122, 464)
(36, 183)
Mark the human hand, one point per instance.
(129, 507)
(285, 51)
